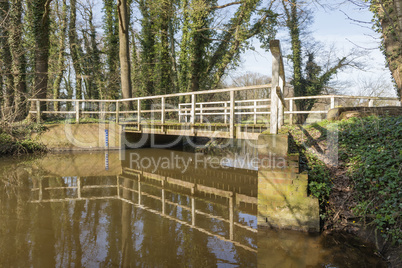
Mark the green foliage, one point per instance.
(16, 140)
(111, 49)
(371, 149)
(309, 78)
(319, 178)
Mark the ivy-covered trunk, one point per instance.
(6, 61)
(111, 49)
(388, 14)
(60, 64)
(40, 10)
(75, 48)
(18, 58)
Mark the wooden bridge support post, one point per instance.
(231, 217)
(201, 115)
(255, 112)
(180, 113)
(332, 102)
(118, 111)
(139, 114)
(163, 200)
(192, 116)
(77, 112)
(38, 111)
(192, 211)
(101, 114)
(371, 103)
(281, 108)
(232, 115)
(290, 110)
(163, 114)
(225, 113)
(79, 187)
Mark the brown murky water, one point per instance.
(153, 208)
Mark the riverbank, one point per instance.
(15, 139)
(359, 193)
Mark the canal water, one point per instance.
(148, 208)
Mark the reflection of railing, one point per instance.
(141, 180)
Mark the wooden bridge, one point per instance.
(241, 113)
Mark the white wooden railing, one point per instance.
(222, 104)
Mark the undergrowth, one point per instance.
(370, 150)
(16, 139)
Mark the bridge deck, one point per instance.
(242, 131)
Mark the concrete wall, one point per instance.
(282, 191)
(60, 137)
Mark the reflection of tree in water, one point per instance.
(14, 214)
(90, 232)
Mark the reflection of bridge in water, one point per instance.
(188, 198)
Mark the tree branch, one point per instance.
(223, 6)
(47, 10)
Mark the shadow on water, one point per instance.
(154, 208)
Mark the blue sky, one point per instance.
(333, 27)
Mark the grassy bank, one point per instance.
(15, 139)
(363, 190)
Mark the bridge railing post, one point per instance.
(180, 113)
(291, 110)
(139, 114)
(118, 112)
(371, 103)
(201, 114)
(192, 116)
(225, 116)
(38, 111)
(332, 102)
(163, 114)
(77, 112)
(255, 112)
(232, 115)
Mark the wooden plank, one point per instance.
(212, 91)
(117, 112)
(139, 114)
(77, 112)
(232, 115)
(38, 115)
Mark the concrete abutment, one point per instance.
(282, 191)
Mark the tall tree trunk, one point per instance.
(111, 47)
(135, 66)
(164, 68)
(75, 49)
(292, 23)
(6, 60)
(61, 55)
(96, 83)
(124, 51)
(40, 10)
(148, 50)
(18, 58)
(389, 17)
